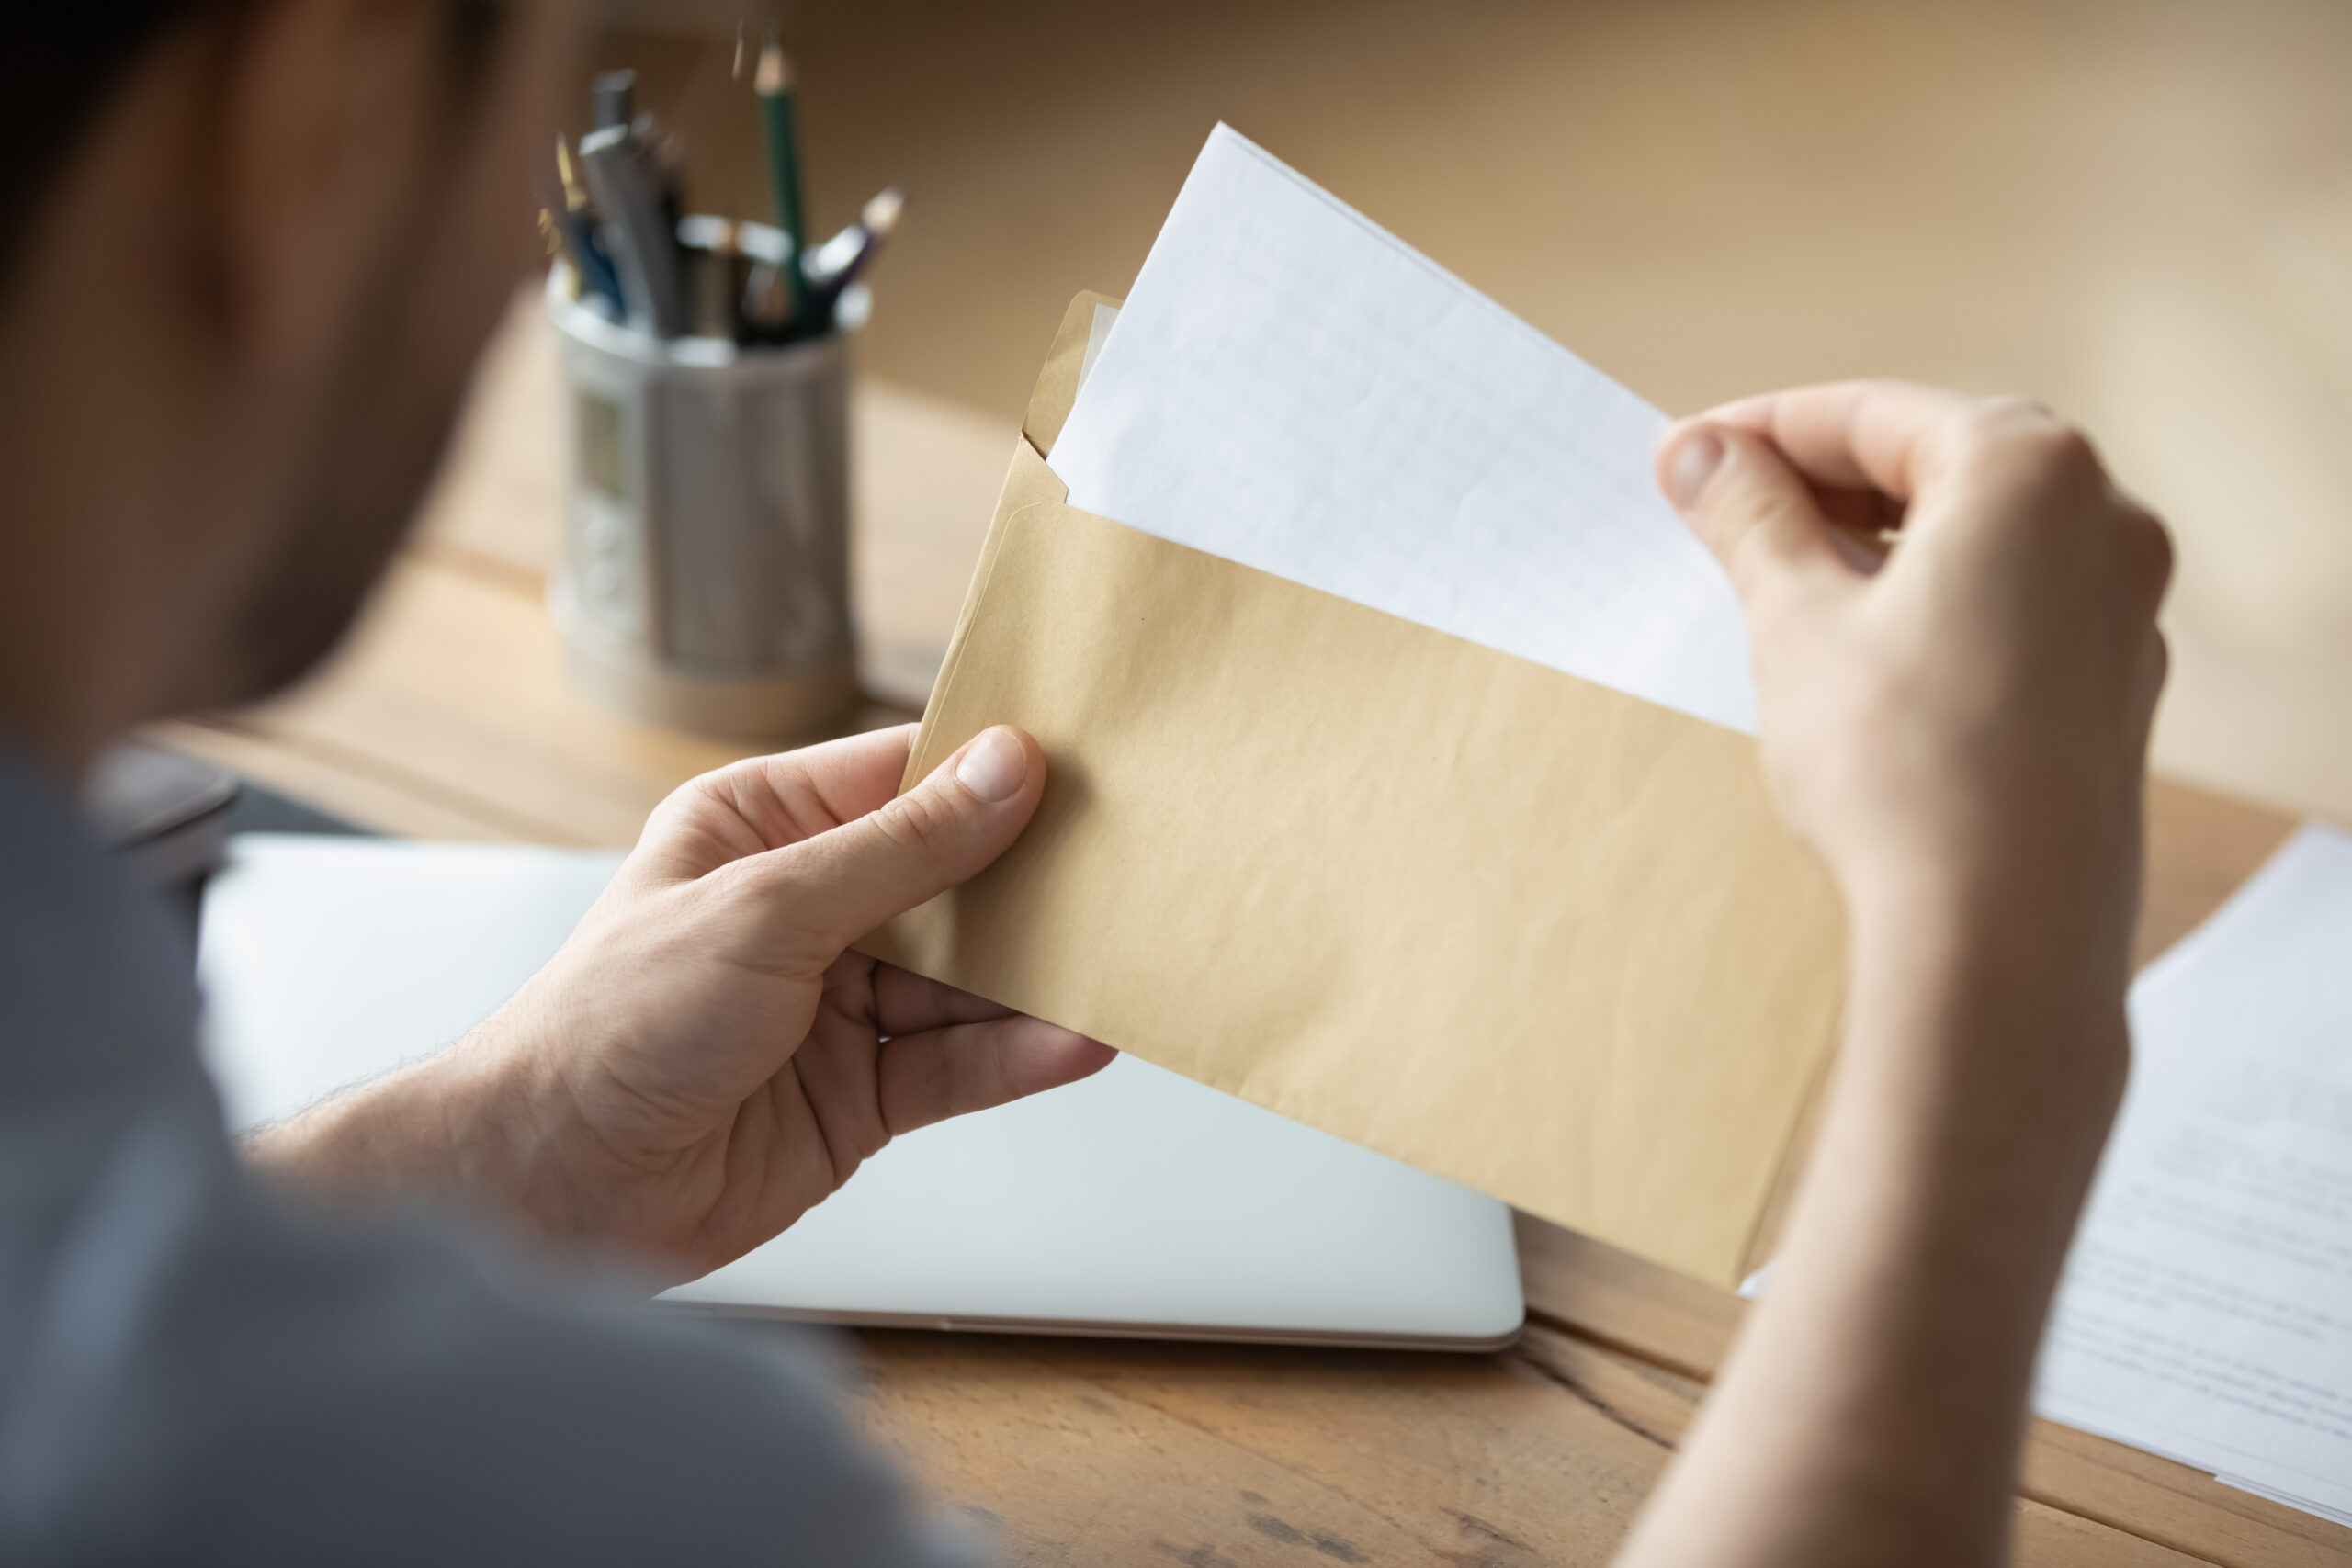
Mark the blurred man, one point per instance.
(251, 248)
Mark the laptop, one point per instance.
(1137, 1203)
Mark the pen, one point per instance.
(766, 305)
(572, 218)
(634, 198)
(611, 99)
(773, 83)
(764, 312)
(714, 257)
(573, 239)
(833, 266)
(670, 171)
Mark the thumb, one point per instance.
(1750, 507)
(844, 882)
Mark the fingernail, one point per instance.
(1698, 452)
(994, 765)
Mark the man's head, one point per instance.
(244, 269)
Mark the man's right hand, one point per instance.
(1975, 713)
(1961, 732)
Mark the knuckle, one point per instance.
(1722, 535)
(918, 822)
(2151, 546)
(2066, 451)
(710, 796)
(688, 801)
(2021, 412)
(2020, 451)
(1978, 436)
(1754, 548)
(719, 784)
(2052, 453)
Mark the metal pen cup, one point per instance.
(704, 583)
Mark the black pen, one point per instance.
(611, 99)
(835, 265)
(635, 199)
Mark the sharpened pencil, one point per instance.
(773, 83)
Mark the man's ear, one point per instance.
(322, 138)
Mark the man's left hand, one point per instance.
(705, 1060)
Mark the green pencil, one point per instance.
(773, 85)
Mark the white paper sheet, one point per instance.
(2334, 1516)
(2206, 1312)
(1291, 387)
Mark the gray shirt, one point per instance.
(195, 1368)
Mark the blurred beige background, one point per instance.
(2140, 210)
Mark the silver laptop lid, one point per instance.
(1136, 1203)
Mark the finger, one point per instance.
(940, 1073)
(842, 884)
(2148, 553)
(906, 1003)
(2148, 681)
(766, 803)
(1751, 509)
(792, 796)
(1865, 513)
(1888, 435)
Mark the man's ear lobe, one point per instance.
(322, 104)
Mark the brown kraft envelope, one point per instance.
(1521, 931)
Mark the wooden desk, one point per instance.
(447, 718)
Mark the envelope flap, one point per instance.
(1029, 481)
(1056, 389)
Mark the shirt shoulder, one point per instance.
(193, 1369)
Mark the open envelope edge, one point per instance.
(1031, 484)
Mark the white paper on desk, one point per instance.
(1294, 388)
(2308, 1506)
(2206, 1312)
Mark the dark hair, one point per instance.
(55, 76)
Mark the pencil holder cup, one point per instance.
(704, 583)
